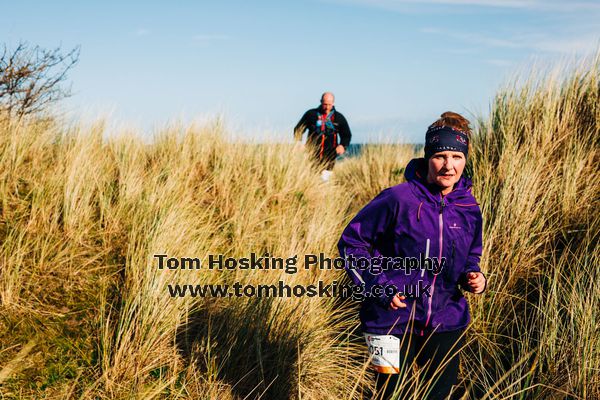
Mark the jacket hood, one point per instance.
(416, 172)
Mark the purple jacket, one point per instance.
(404, 221)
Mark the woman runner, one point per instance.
(424, 237)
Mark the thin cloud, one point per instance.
(475, 38)
(536, 5)
(582, 44)
(575, 43)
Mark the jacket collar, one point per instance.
(320, 111)
(416, 174)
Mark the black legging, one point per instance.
(323, 158)
(431, 351)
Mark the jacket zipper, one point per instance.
(441, 241)
(452, 259)
(450, 265)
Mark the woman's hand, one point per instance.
(397, 303)
(476, 282)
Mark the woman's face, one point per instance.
(445, 169)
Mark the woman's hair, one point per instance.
(453, 120)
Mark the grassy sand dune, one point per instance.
(85, 312)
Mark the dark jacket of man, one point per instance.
(322, 139)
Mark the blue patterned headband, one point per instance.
(442, 138)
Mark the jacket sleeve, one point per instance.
(344, 131)
(360, 237)
(301, 126)
(475, 250)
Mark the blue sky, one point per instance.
(394, 65)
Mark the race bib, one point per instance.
(384, 351)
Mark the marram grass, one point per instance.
(85, 312)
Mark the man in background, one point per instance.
(328, 134)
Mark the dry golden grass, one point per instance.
(85, 312)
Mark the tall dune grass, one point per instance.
(82, 218)
(535, 164)
(85, 312)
